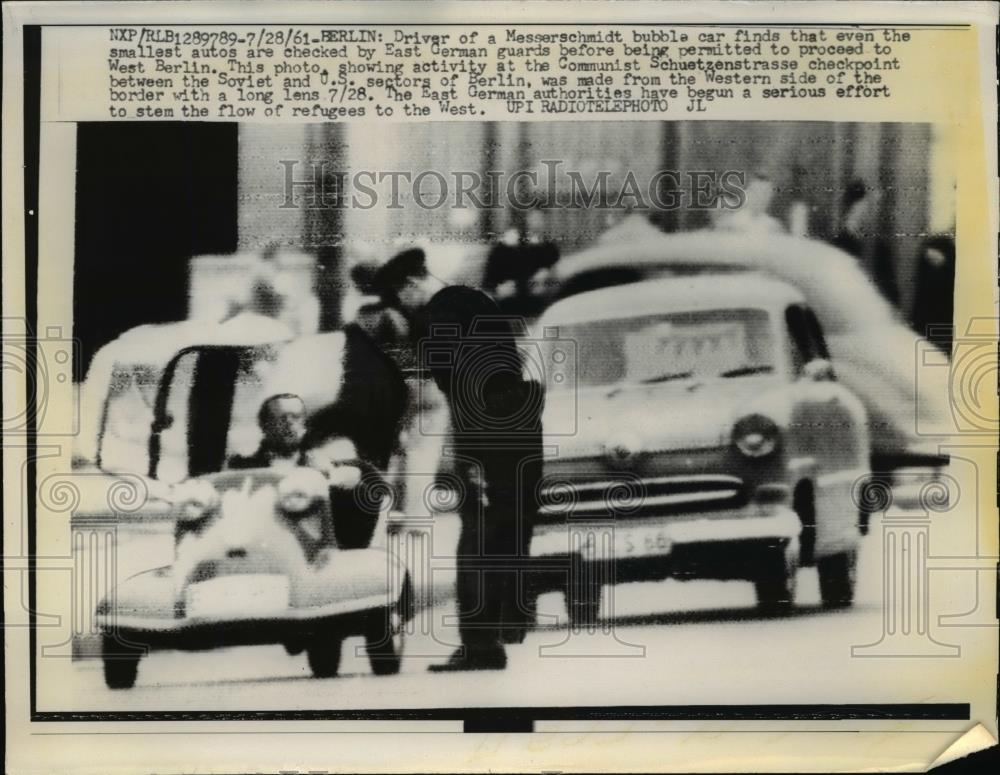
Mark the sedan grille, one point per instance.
(636, 497)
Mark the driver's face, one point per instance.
(285, 426)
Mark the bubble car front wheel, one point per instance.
(121, 663)
(323, 653)
(385, 633)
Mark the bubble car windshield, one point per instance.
(650, 349)
(128, 417)
(203, 407)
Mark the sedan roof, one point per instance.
(834, 283)
(673, 294)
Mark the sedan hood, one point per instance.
(685, 414)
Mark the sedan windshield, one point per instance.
(651, 349)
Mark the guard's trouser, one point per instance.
(491, 578)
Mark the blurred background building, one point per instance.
(153, 196)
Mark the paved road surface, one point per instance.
(672, 643)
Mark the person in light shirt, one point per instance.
(285, 446)
(282, 420)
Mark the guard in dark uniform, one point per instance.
(470, 351)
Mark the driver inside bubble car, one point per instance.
(286, 444)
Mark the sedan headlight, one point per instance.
(756, 436)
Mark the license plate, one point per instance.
(238, 597)
(641, 542)
(604, 542)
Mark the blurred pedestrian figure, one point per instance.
(518, 265)
(496, 443)
(861, 235)
(799, 209)
(934, 305)
(289, 273)
(753, 216)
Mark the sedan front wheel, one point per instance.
(776, 580)
(838, 578)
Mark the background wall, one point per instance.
(148, 197)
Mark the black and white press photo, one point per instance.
(543, 394)
(597, 388)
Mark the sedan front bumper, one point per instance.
(651, 536)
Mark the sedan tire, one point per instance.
(583, 598)
(776, 581)
(837, 579)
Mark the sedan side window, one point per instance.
(815, 331)
(168, 443)
(808, 344)
(798, 330)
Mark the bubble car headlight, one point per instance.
(756, 436)
(300, 490)
(194, 499)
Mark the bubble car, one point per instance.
(295, 552)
